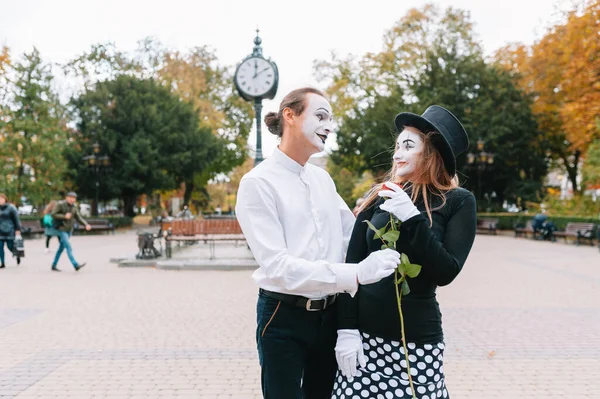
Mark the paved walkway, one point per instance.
(521, 321)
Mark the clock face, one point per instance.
(255, 77)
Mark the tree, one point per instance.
(153, 139)
(344, 181)
(560, 71)
(33, 132)
(430, 57)
(194, 75)
(591, 167)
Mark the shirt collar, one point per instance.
(287, 162)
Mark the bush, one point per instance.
(508, 221)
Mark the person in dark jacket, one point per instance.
(10, 227)
(438, 223)
(63, 215)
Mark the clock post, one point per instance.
(258, 158)
(256, 78)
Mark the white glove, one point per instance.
(349, 352)
(399, 203)
(378, 265)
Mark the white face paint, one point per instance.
(410, 145)
(318, 121)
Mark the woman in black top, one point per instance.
(437, 232)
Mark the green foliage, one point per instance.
(344, 181)
(430, 57)
(591, 166)
(508, 221)
(581, 206)
(153, 139)
(195, 76)
(32, 133)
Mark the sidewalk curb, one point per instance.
(206, 265)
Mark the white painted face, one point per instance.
(318, 121)
(409, 148)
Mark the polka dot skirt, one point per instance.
(385, 376)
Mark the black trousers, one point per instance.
(295, 350)
(48, 240)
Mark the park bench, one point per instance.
(579, 231)
(31, 227)
(487, 225)
(97, 225)
(210, 231)
(522, 231)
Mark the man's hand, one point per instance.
(349, 352)
(88, 227)
(68, 215)
(378, 265)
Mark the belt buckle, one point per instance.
(308, 307)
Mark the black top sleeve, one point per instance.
(357, 252)
(442, 261)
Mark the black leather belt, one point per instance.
(312, 305)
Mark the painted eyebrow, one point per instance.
(408, 140)
(327, 111)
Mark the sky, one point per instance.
(294, 33)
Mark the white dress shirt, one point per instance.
(298, 228)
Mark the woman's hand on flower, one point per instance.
(349, 352)
(398, 203)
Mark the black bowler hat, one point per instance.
(452, 139)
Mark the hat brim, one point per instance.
(438, 140)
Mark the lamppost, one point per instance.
(96, 163)
(481, 160)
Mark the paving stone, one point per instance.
(522, 320)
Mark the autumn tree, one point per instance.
(560, 71)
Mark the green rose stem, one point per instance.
(405, 268)
(399, 300)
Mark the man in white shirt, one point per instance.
(298, 229)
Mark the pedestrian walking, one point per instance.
(10, 228)
(64, 213)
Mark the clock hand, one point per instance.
(255, 69)
(266, 69)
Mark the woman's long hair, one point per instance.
(430, 177)
(48, 209)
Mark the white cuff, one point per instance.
(346, 279)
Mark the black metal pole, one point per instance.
(257, 109)
(97, 186)
(479, 197)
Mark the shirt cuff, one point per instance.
(346, 280)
